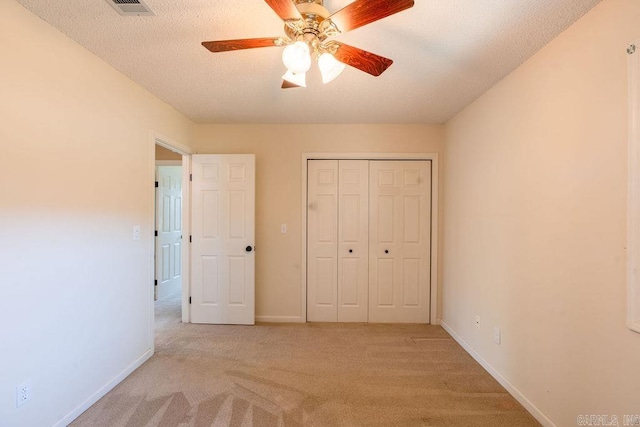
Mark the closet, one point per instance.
(368, 241)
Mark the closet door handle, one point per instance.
(386, 251)
(350, 251)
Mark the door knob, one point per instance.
(386, 251)
(248, 249)
(350, 250)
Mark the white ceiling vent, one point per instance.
(131, 7)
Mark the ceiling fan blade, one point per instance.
(361, 59)
(288, 85)
(228, 45)
(285, 9)
(363, 12)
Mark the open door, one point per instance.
(223, 234)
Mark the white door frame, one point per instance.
(434, 320)
(157, 139)
(168, 162)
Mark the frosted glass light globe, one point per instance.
(330, 67)
(298, 79)
(296, 57)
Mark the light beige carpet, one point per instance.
(305, 374)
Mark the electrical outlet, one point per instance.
(23, 393)
(477, 321)
(496, 335)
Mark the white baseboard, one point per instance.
(279, 319)
(295, 319)
(75, 413)
(533, 409)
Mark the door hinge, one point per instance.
(156, 233)
(190, 241)
(190, 177)
(155, 283)
(156, 184)
(189, 300)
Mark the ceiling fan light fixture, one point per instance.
(308, 25)
(330, 67)
(296, 57)
(298, 79)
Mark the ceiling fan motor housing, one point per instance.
(297, 2)
(310, 28)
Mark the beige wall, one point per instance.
(76, 172)
(535, 211)
(278, 150)
(165, 154)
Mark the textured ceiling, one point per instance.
(446, 53)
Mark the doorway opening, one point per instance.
(170, 214)
(168, 224)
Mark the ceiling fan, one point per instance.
(309, 26)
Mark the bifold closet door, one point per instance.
(322, 238)
(337, 248)
(400, 241)
(353, 240)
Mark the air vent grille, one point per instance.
(131, 7)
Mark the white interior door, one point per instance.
(353, 240)
(337, 261)
(400, 237)
(322, 238)
(223, 233)
(169, 230)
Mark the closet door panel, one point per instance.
(399, 248)
(322, 241)
(369, 241)
(353, 240)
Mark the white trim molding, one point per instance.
(75, 413)
(168, 162)
(170, 144)
(633, 191)
(517, 394)
(433, 157)
(279, 319)
(186, 231)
